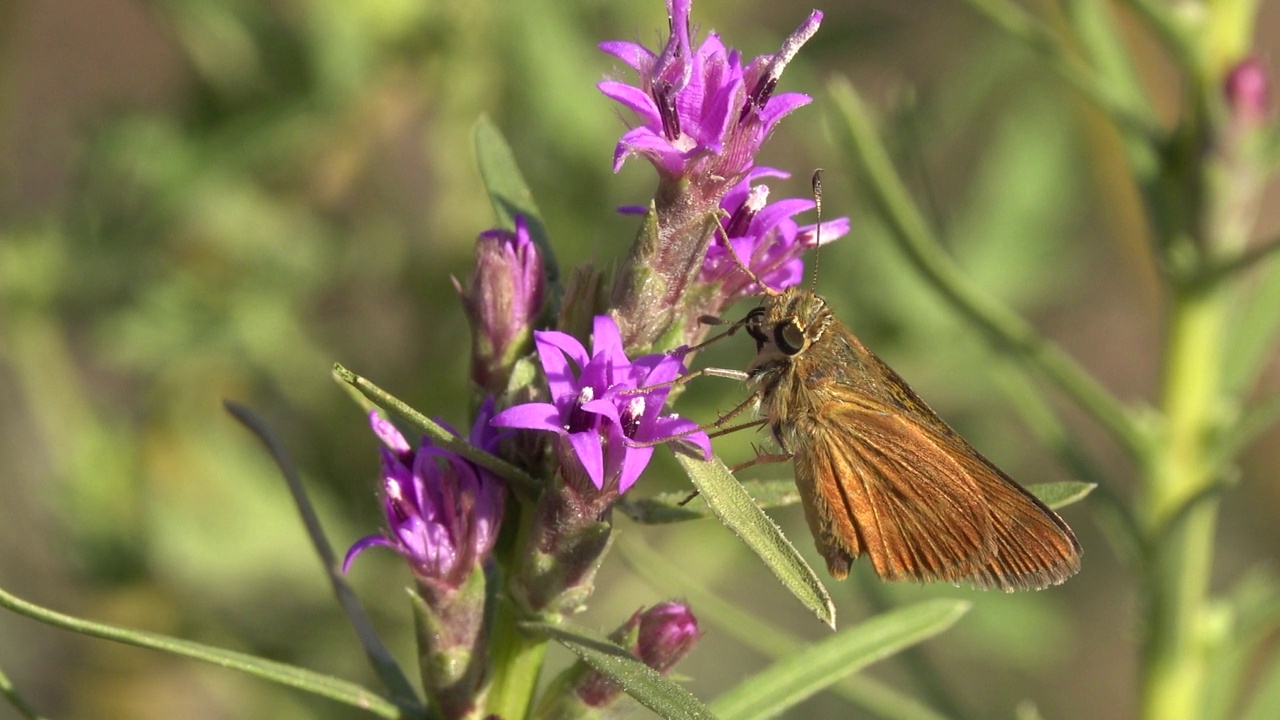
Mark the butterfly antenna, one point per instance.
(817, 229)
(770, 292)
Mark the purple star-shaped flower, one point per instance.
(611, 428)
(443, 512)
(703, 114)
(764, 237)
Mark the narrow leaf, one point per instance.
(1061, 494)
(678, 507)
(16, 700)
(379, 656)
(659, 694)
(508, 192)
(290, 675)
(438, 434)
(797, 677)
(737, 511)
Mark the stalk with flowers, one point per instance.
(584, 423)
(576, 378)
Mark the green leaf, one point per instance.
(799, 676)
(737, 511)
(1061, 494)
(678, 507)
(508, 192)
(663, 696)
(290, 675)
(438, 434)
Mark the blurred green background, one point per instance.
(218, 199)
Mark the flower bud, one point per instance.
(668, 631)
(660, 637)
(1248, 93)
(503, 303)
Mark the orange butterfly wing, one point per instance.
(922, 502)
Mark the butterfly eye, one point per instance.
(789, 337)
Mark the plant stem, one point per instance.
(517, 663)
(1180, 537)
(516, 656)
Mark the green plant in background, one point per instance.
(485, 604)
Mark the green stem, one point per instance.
(15, 699)
(1179, 471)
(517, 663)
(516, 656)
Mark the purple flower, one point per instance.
(764, 237)
(503, 302)
(595, 409)
(442, 511)
(702, 112)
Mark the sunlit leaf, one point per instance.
(734, 508)
(800, 675)
(1061, 494)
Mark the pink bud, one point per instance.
(1248, 92)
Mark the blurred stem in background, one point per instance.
(1200, 181)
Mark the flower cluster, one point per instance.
(709, 238)
(763, 237)
(610, 410)
(703, 113)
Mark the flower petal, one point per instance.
(388, 433)
(361, 545)
(633, 463)
(586, 445)
(532, 416)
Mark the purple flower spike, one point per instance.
(443, 512)
(764, 237)
(595, 409)
(702, 113)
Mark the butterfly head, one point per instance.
(788, 323)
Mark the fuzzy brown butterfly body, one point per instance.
(880, 474)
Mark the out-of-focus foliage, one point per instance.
(218, 199)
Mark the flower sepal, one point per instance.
(663, 263)
(449, 626)
(557, 572)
